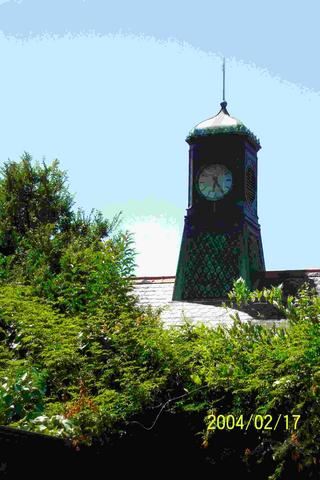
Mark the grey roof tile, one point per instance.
(157, 292)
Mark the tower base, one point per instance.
(210, 262)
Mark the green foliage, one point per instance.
(67, 257)
(89, 275)
(56, 425)
(21, 394)
(31, 195)
(271, 371)
(99, 369)
(240, 295)
(105, 368)
(80, 359)
(238, 129)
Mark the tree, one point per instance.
(30, 196)
(68, 256)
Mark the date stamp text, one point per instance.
(259, 422)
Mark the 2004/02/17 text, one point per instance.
(259, 422)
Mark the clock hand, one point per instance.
(216, 183)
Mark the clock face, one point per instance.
(214, 182)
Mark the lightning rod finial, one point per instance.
(224, 103)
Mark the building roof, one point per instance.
(157, 292)
(220, 124)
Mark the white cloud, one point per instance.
(157, 243)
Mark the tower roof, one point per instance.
(222, 123)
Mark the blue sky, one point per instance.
(112, 89)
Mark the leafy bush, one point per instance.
(93, 276)
(106, 370)
(21, 395)
(80, 359)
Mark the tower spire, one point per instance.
(223, 103)
(224, 79)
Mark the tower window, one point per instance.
(250, 188)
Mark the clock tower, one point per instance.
(221, 239)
